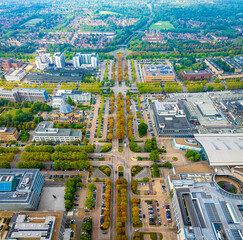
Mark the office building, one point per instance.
(222, 149)
(20, 189)
(43, 62)
(66, 114)
(235, 109)
(59, 60)
(9, 64)
(8, 134)
(170, 120)
(46, 132)
(76, 96)
(196, 75)
(202, 210)
(24, 95)
(186, 144)
(39, 78)
(33, 225)
(158, 73)
(82, 60)
(15, 75)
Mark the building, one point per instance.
(66, 114)
(9, 64)
(20, 189)
(235, 75)
(186, 144)
(24, 95)
(15, 75)
(196, 75)
(202, 210)
(239, 60)
(76, 96)
(170, 120)
(39, 78)
(45, 132)
(24, 227)
(33, 225)
(223, 149)
(153, 36)
(82, 60)
(233, 64)
(43, 62)
(59, 60)
(158, 73)
(8, 134)
(235, 109)
(213, 66)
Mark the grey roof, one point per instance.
(23, 190)
(222, 149)
(46, 129)
(65, 108)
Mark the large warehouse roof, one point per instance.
(222, 149)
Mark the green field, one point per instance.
(107, 12)
(13, 112)
(34, 21)
(162, 25)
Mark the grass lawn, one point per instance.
(13, 112)
(34, 21)
(162, 25)
(153, 235)
(107, 12)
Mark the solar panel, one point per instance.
(212, 212)
(236, 234)
(226, 212)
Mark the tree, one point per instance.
(70, 101)
(106, 147)
(154, 155)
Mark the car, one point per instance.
(164, 224)
(76, 204)
(77, 195)
(143, 215)
(104, 232)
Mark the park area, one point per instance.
(162, 25)
(14, 111)
(33, 21)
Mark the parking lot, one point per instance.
(50, 203)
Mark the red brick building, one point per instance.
(196, 75)
(11, 63)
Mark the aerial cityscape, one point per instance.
(121, 120)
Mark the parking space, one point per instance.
(52, 199)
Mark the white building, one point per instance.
(46, 132)
(85, 60)
(222, 149)
(59, 59)
(42, 62)
(77, 96)
(15, 75)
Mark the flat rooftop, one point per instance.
(200, 167)
(23, 188)
(46, 129)
(188, 142)
(38, 216)
(209, 209)
(158, 70)
(201, 72)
